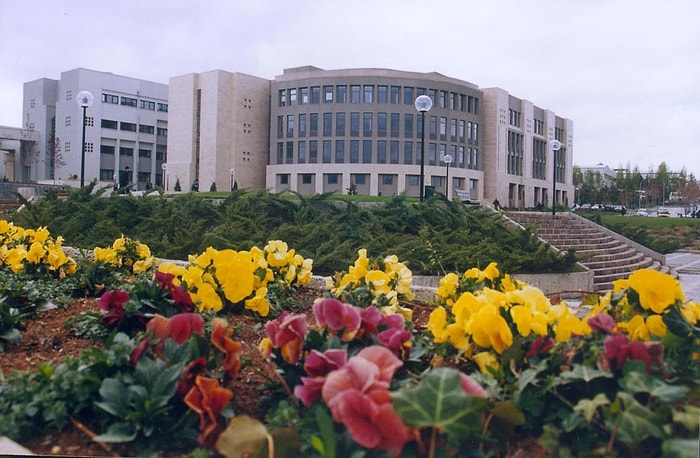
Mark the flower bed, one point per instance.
(491, 365)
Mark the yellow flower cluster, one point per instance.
(216, 276)
(387, 284)
(483, 324)
(21, 249)
(639, 302)
(126, 253)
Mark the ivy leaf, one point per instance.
(636, 422)
(588, 407)
(641, 382)
(118, 432)
(585, 373)
(438, 401)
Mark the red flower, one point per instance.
(191, 371)
(619, 349)
(208, 399)
(221, 338)
(389, 330)
(113, 302)
(338, 316)
(178, 327)
(181, 298)
(470, 386)
(139, 351)
(540, 345)
(317, 365)
(287, 333)
(602, 322)
(358, 396)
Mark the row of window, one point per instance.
(369, 93)
(132, 102)
(143, 177)
(132, 127)
(125, 151)
(303, 124)
(515, 158)
(379, 152)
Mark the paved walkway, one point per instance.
(687, 265)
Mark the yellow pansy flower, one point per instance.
(656, 326)
(259, 302)
(656, 291)
(36, 253)
(484, 360)
(489, 329)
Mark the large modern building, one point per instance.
(311, 131)
(125, 129)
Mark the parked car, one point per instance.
(585, 207)
(663, 212)
(641, 212)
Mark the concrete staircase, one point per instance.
(609, 255)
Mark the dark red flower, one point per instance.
(191, 371)
(113, 302)
(540, 345)
(208, 399)
(317, 365)
(221, 338)
(602, 322)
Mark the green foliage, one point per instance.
(435, 237)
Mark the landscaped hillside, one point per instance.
(434, 237)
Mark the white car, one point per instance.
(641, 212)
(663, 212)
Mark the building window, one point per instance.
(144, 153)
(290, 126)
(460, 131)
(109, 124)
(408, 152)
(341, 94)
(280, 126)
(354, 151)
(354, 124)
(452, 103)
(282, 97)
(109, 98)
(328, 94)
(163, 107)
(302, 125)
(515, 153)
(442, 99)
(292, 97)
(453, 130)
(106, 174)
(360, 178)
(432, 127)
(366, 151)
(130, 102)
(539, 127)
(284, 178)
(315, 94)
(280, 153)
(146, 105)
(126, 151)
(127, 126)
(382, 94)
(306, 178)
(301, 152)
(443, 128)
(408, 98)
(368, 92)
(313, 152)
(408, 125)
(146, 129)
(395, 95)
(355, 93)
(327, 124)
(539, 159)
(313, 125)
(394, 126)
(332, 178)
(326, 151)
(432, 154)
(394, 152)
(381, 152)
(340, 124)
(289, 155)
(107, 149)
(161, 132)
(304, 94)
(381, 124)
(514, 118)
(367, 124)
(339, 151)
(387, 179)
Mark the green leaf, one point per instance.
(118, 432)
(585, 373)
(113, 391)
(329, 445)
(438, 401)
(681, 448)
(11, 335)
(688, 417)
(588, 407)
(641, 382)
(676, 323)
(636, 421)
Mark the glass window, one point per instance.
(339, 151)
(408, 152)
(394, 126)
(432, 128)
(340, 124)
(408, 98)
(368, 92)
(326, 151)
(328, 94)
(395, 94)
(460, 132)
(289, 157)
(381, 152)
(453, 98)
(366, 151)
(307, 178)
(442, 99)
(304, 91)
(381, 124)
(453, 130)
(280, 153)
(302, 125)
(301, 152)
(408, 125)
(341, 94)
(432, 154)
(355, 93)
(394, 152)
(292, 97)
(280, 126)
(327, 124)
(360, 178)
(354, 124)
(367, 124)
(382, 94)
(387, 179)
(354, 151)
(315, 94)
(313, 151)
(332, 178)
(313, 125)
(290, 125)
(432, 93)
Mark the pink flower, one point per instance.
(540, 345)
(287, 333)
(388, 329)
(338, 316)
(317, 365)
(602, 322)
(358, 396)
(470, 386)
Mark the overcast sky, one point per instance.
(627, 72)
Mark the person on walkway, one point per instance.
(496, 204)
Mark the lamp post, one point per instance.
(423, 104)
(556, 146)
(447, 160)
(232, 173)
(84, 100)
(164, 168)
